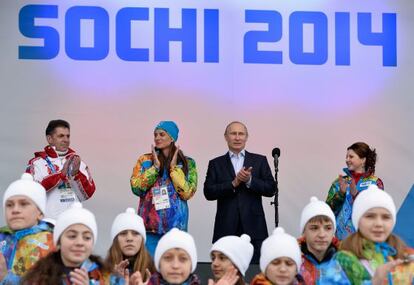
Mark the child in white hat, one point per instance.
(175, 259)
(317, 242)
(128, 253)
(74, 235)
(231, 253)
(26, 238)
(280, 260)
(373, 253)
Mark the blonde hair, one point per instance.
(354, 244)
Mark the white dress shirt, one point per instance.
(238, 160)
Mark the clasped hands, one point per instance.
(343, 185)
(72, 162)
(244, 175)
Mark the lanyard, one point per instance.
(386, 250)
(51, 166)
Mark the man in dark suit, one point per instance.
(238, 180)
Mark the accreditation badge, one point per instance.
(160, 198)
(66, 194)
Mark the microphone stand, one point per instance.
(275, 202)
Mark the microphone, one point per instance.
(276, 155)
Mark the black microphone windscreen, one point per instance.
(276, 151)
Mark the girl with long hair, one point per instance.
(74, 235)
(164, 180)
(359, 174)
(373, 254)
(127, 253)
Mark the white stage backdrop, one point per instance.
(310, 77)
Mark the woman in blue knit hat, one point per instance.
(164, 180)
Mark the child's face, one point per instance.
(129, 242)
(76, 244)
(220, 263)
(175, 266)
(376, 224)
(281, 271)
(354, 162)
(21, 213)
(318, 236)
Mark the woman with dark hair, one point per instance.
(360, 173)
(164, 180)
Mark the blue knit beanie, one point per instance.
(170, 127)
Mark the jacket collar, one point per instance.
(330, 252)
(40, 227)
(364, 175)
(229, 165)
(50, 152)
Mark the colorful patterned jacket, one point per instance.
(341, 204)
(145, 179)
(156, 279)
(96, 276)
(311, 266)
(360, 271)
(62, 190)
(23, 248)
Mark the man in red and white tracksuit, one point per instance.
(61, 171)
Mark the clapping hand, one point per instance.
(343, 185)
(121, 267)
(79, 276)
(136, 278)
(229, 278)
(71, 165)
(155, 159)
(175, 157)
(353, 189)
(3, 267)
(244, 174)
(76, 161)
(383, 270)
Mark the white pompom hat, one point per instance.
(373, 197)
(26, 186)
(76, 214)
(128, 220)
(315, 208)
(176, 239)
(238, 249)
(279, 244)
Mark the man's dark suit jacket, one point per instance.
(241, 206)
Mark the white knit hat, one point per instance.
(128, 220)
(25, 186)
(279, 244)
(238, 249)
(76, 214)
(373, 197)
(313, 209)
(176, 239)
